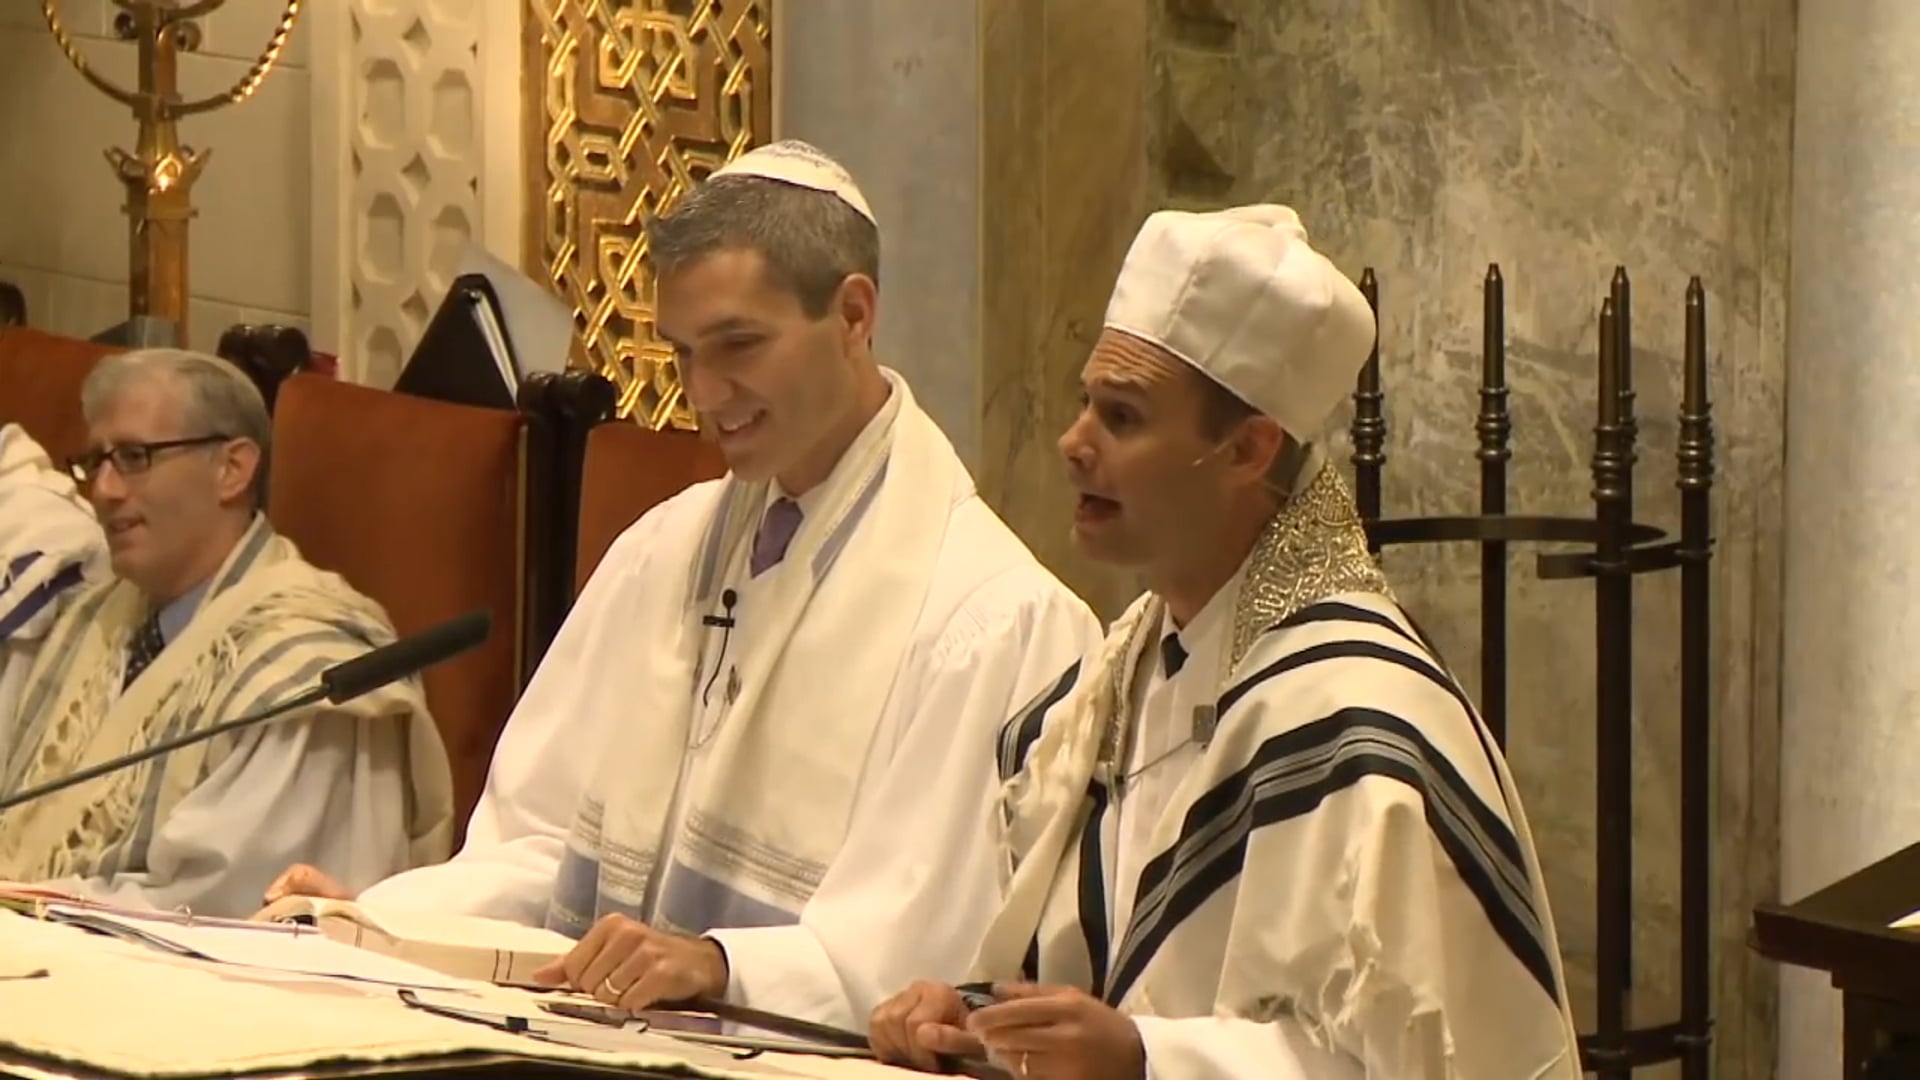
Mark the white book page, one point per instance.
(469, 931)
(277, 948)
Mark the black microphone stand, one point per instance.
(338, 684)
(310, 697)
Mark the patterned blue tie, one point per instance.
(776, 532)
(146, 644)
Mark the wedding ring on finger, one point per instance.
(612, 991)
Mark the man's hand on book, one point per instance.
(625, 962)
(303, 880)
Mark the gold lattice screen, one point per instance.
(629, 104)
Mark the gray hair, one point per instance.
(215, 397)
(812, 240)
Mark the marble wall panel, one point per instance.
(892, 91)
(1063, 189)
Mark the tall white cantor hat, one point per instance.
(791, 161)
(1243, 297)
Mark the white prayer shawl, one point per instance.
(268, 625)
(50, 543)
(770, 784)
(1346, 866)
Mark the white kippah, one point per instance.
(1241, 296)
(791, 161)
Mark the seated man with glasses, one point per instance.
(207, 616)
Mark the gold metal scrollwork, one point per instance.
(159, 173)
(631, 105)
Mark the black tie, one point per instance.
(146, 644)
(1173, 656)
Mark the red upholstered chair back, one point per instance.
(40, 377)
(41, 373)
(628, 471)
(418, 504)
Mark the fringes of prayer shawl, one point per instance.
(1348, 854)
(269, 624)
(770, 778)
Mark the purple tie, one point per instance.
(776, 532)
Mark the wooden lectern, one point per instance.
(1843, 930)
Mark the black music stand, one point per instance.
(493, 329)
(1844, 930)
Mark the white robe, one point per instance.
(990, 630)
(50, 543)
(1325, 874)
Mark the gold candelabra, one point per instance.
(160, 172)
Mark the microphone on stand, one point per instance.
(338, 684)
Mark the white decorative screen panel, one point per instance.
(414, 108)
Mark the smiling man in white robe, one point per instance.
(208, 615)
(771, 666)
(1261, 832)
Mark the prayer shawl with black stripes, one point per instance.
(269, 624)
(1347, 853)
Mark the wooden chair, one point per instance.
(13, 305)
(604, 474)
(420, 505)
(272, 354)
(40, 377)
(41, 373)
(561, 409)
(628, 470)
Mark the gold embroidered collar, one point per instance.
(1313, 548)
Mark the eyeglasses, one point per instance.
(130, 459)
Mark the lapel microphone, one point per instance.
(724, 621)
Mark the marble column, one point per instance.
(892, 91)
(1064, 138)
(1849, 736)
(1002, 145)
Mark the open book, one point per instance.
(464, 946)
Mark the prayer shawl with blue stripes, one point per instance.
(269, 624)
(50, 544)
(1347, 852)
(766, 782)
